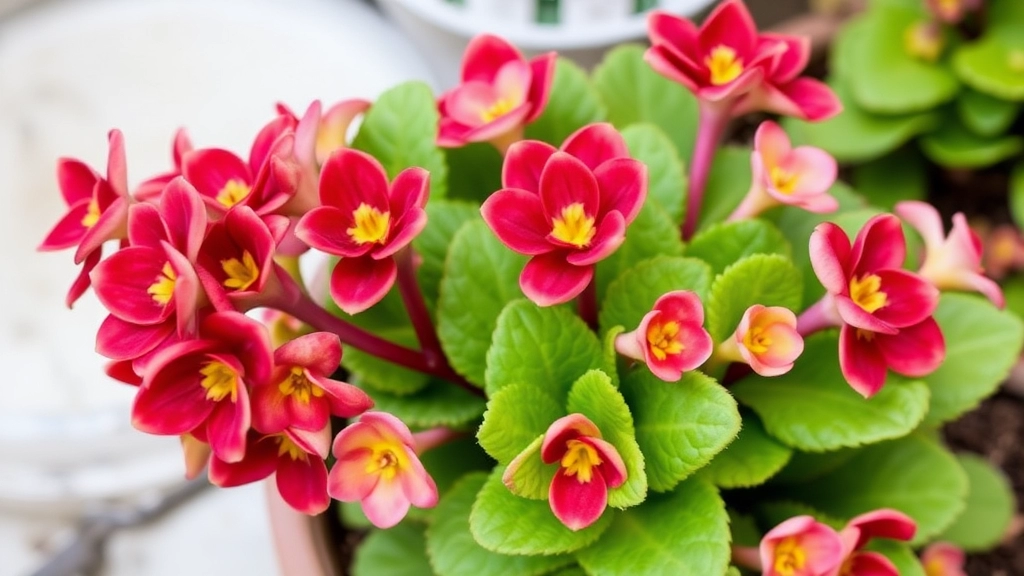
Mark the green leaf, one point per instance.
(806, 466)
(399, 551)
(634, 92)
(728, 182)
(505, 523)
(723, 244)
(892, 178)
(744, 529)
(954, 146)
(652, 234)
(633, 294)
(544, 347)
(374, 374)
(751, 459)
(913, 475)
(474, 171)
(992, 66)
(666, 176)
(516, 415)
(438, 404)
(611, 355)
(680, 427)
(773, 513)
(767, 279)
(573, 104)
(982, 344)
(531, 477)
(400, 131)
(986, 115)
(812, 408)
(990, 506)
(444, 218)
(481, 276)
(594, 396)
(900, 554)
(454, 552)
(682, 533)
(1017, 194)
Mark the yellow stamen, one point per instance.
(723, 65)
(756, 340)
(240, 274)
(286, 446)
(501, 107)
(867, 292)
(370, 225)
(92, 214)
(935, 567)
(579, 460)
(219, 381)
(296, 384)
(865, 335)
(783, 180)
(388, 460)
(662, 339)
(789, 557)
(574, 227)
(233, 192)
(163, 288)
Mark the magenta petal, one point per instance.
(665, 28)
(790, 63)
(320, 352)
(610, 234)
(578, 504)
(403, 232)
(814, 100)
(683, 306)
(517, 218)
(121, 283)
(264, 141)
(325, 228)
(111, 225)
(862, 363)
(730, 24)
(854, 315)
(623, 185)
(543, 70)
(69, 230)
(664, 62)
(409, 190)
(117, 170)
(916, 350)
(270, 409)
(84, 279)
(500, 126)
(345, 400)
(227, 427)
(260, 461)
(595, 144)
(830, 251)
(484, 56)
(613, 469)
(145, 226)
(883, 523)
(210, 169)
(247, 339)
(171, 401)
(184, 216)
(909, 298)
(567, 181)
(76, 180)
(303, 484)
(872, 564)
(358, 283)
(561, 431)
(120, 340)
(524, 163)
(349, 178)
(548, 279)
(879, 245)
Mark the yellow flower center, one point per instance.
(923, 40)
(756, 340)
(388, 460)
(501, 107)
(662, 339)
(783, 180)
(240, 274)
(369, 225)
(867, 292)
(232, 193)
(286, 446)
(219, 381)
(935, 567)
(579, 460)
(574, 227)
(163, 288)
(92, 214)
(723, 65)
(296, 384)
(789, 557)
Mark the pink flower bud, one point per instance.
(943, 559)
(766, 339)
(671, 338)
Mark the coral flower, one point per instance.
(295, 457)
(365, 221)
(953, 262)
(671, 338)
(766, 339)
(300, 393)
(801, 546)
(798, 177)
(726, 63)
(886, 312)
(943, 559)
(587, 468)
(883, 523)
(201, 386)
(500, 93)
(377, 466)
(567, 209)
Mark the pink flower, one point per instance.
(883, 523)
(726, 62)
(201, 386)
(943, 559)
(567, 208)
(295, 457)
(1004, 251)
(886, 311)
(798, 177)
(300, 393)
(801, 546)
(377, 466)
(951, 262)
(150, 190)
(500, 93)
(587, 467)
(671, 338)
(97, 211)
(766, 339)
(332, 132)
(365, 221)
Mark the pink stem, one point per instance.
(713, 120)
(747, 557)
(818, 317)
(753, 204)
(434, 437)
(416, 307)
(587, 304)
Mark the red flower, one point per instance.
(800, 546)
(365, 221)
(567, 208)
(500, 93)
(671, 338)
(883, 523)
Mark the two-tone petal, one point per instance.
(801, 546)
(766, 339)
(671, 338)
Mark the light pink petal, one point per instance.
(326, 229)
(389, 426)
(333, 129)
(418, 486)
(350, 178)
(358, 283)
(943, 559)
(820, 543)
(303, 484)
(566, 181)
(925, 219)
(387, 504)
(909, 298)
(578, 504)
(227, 427)
(830, 253)
(517, 218)
(883, 523)
(610, 234)
(613, 469)
(682, 306)
(595, 144)
(76, 180)
(916, 351)
(771, 144)
(196, 455)
(987, 287)
(500, 126)
(320, 352)
(485, 55)
(548, 279)
(524, 163)
(815, 169)
(623, 185)
(861, 362)
(512, 81)
(542, 69)
(469, 103)
(348, 480)
(561, 431)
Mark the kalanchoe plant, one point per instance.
(524, 367)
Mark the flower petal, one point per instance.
(325, 228)
(227, 427)
(260, 461)
(807, 99)
(524, 163)
(120, 340)
(348, 480)
(613, 469)
(595, 144)
(210, 169)
(566, 181)
(578, 504)
(871, 564)
(861, 361)
(303, 484)
(121, 283)
(610, 234)
(350, 178)
(561, 431)
(730, 24)
(909, 298)
(830, 253)
(547, 279)
(485, 55)
(76, 180)
(517, 218)
(542, 69)
(623, 185)
(418, 486)
(320, 352)
(358, 283)
(387, 504)
(883, 523)
(916, 350)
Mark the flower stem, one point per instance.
(747, 557)
(821, 315)
(416, 307)
(711, 126)
(434, 437)
(754, 203)
(587, 304)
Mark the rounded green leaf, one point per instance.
(681, 426)
(892, 178)
(723, 244)
(751, 459)
(474, 171)
(766, 279)
(992, 66)
(399, 551)
(812, 408)
(954, 146)
(634, 292)
(900, 555)
(530, 476)
(444, 219)
(666, 177)
(990, 506)
(652, 234)
(437, 404)
(681, 533)
(986, 115)
(515, 416)
(573, 103)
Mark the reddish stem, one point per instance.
(587, 304)
(416, 307)
(713, 120)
